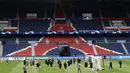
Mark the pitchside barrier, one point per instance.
(41, 57)
(60, 58)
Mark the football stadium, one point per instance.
(64, 36)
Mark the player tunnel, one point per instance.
(64, 50)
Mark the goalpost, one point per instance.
(95, 60)
(1, 49)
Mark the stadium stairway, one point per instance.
(59, 27)
(59, 12)
(124, 48)
(61, 39)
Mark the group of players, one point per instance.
(111, 65)
(31, 63)
(50, 62)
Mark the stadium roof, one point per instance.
(66, 2)
(62, 0)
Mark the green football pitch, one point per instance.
(17, 67)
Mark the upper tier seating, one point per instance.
(68, 11)
(34, 25)
(62, 39)
(64, 27)
(114, 39)
(127, 22)
(31, 8)
(106, 23)
(7, 11)
(60, 21)
(82, 9)
(14, 23)
(110, 10)
(87, 24)
(97, 39)
(59, 12)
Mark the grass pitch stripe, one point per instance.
(17, 68)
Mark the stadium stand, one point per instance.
(59, 27)
(9, 48)
(87, 49)
(127, 22)
(9, 40)
(47, 45)
(59, 12)
(55, 52)
(62, 39)
(97, 39)
(78, 10)
(112, 46)
(69, 12)
(117, 47)
(8, 11)
(87, 24)
(13, 23)
(33, 25)
(60, 21)
(106, 23)
(115, 11)
(115, 39)
(127, 45)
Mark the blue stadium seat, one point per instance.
(54, 52)
(112, 46)
(113, 10)
(116, 47)
(8, 39)
(14, 23)
(9, 48)
(74, 51)
(127, 45)
(34, 25)
(127, 22)
(97, 39)
(106, 23)
(114, 39)
(26, 39)
(87, 24)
